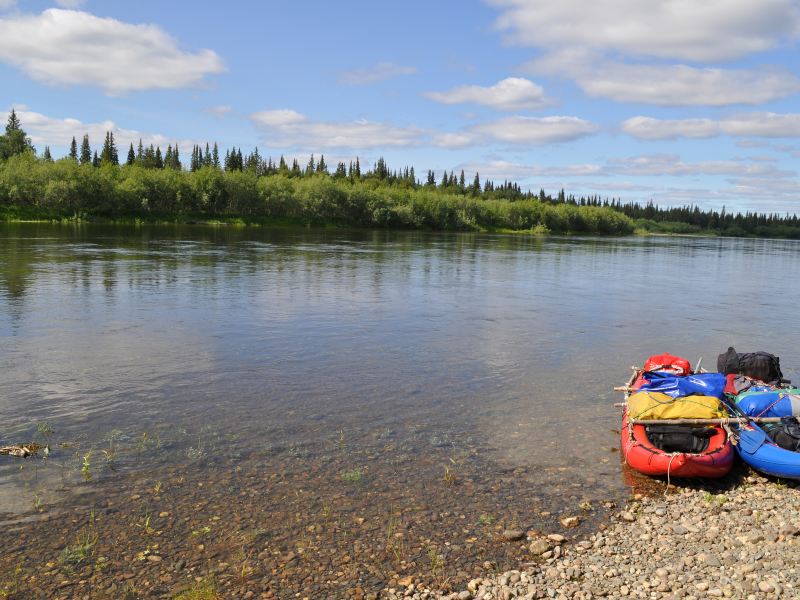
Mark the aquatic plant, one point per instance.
(201, 590)
(86, 468)
(84, 547)
(354, 475)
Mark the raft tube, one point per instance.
(640, 453)
(757, 449)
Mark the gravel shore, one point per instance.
(740, 540)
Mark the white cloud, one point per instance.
(379, 72)
(278, 118)
(497, 169)
(666, 85)
(681, 85)
(670, 164)
(646, 128)
(66, 47)
(711, 30)
(763, 124)
(510, 94)
(453, 140)
(535, 130)
(48, 131)
(756, 124)
(288, 128)
(220, 111)
(6, 4)
(71, 3)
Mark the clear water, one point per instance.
(122, 337)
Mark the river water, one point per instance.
(470, 366)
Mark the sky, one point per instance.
(676, 101)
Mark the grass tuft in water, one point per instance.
(202, 590)
(354, 475)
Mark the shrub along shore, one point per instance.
(32, 189)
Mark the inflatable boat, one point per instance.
(665, 389)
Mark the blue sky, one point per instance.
(677, 101)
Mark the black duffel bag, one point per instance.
(680, 438)
(786, 434)
(763, 366)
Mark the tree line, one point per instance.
(150, 183)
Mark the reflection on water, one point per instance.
(506, 344)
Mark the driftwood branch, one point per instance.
(20, 451)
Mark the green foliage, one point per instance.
(65, 188)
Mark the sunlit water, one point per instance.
(197, 338)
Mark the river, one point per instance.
(401, 376)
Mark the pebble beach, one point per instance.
(735, 540)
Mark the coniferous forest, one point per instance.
(146, 183)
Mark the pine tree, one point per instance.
(73, 150)
(283, 167)
(462, 184)
(46, 155)
(86, 151)
(215, 157)
(131, 156)
(159, 161)
(310, 167)
(321, 166)
(431, 180)
(358, 169)
(206, 162)
(140, 153)
(95, 160)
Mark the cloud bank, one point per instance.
(69, 47)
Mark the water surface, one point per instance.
(419, 357)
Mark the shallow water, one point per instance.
(424, 359)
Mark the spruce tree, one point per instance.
(140, 153)
(310, 167)
(86, 151)
(109, 153)
(131, 156)
(73, 150)
(158, 159)
(476, 185)
(95, 160)
(15, 141)
(46, 155)
(215, 157)
(321, 166)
